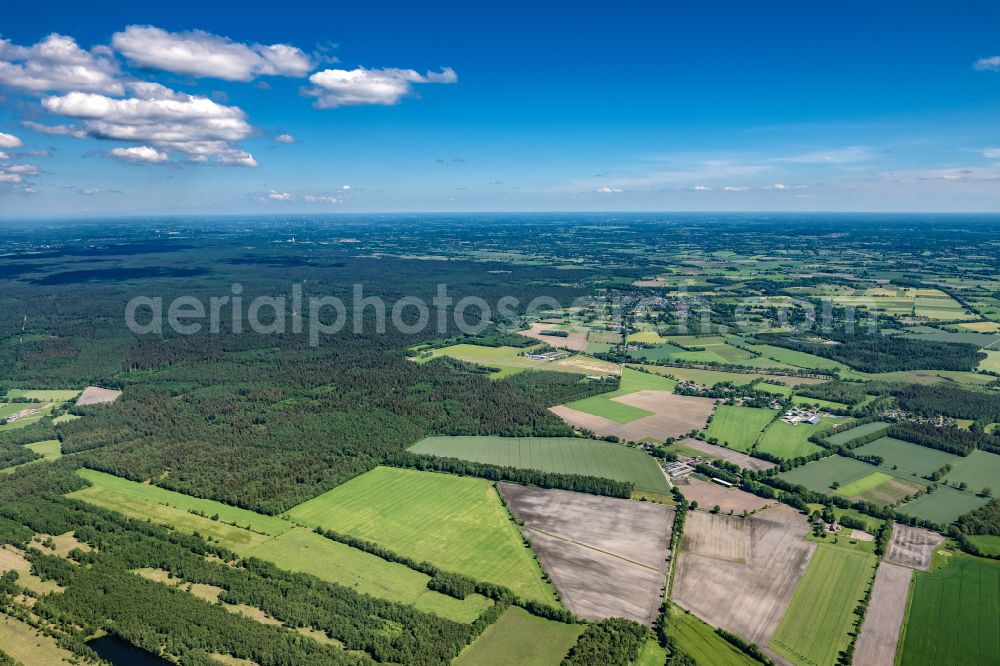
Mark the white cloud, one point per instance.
(735, 188)
(341, 87)
(327, 198)
(16, 173)
(835, 156)
(4, 156)
(197, 126)
(140, 154)
(784, 186)
(991, 153)
(56, 130)
(991, 64)
(701, 188)
(345, 188)
(9, 141)
(203, 54)
(57, 63)
(280, 196)
(21, 169)
(285, 138)
(608, 190)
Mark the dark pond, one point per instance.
(122, 653)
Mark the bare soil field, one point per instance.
(728, 499)
(575, 340)
(718, 536)
(93, 395)
(673, 415)
(912, 546)
(741, 459)
(876, 644)
(746, 599)
(605, 556)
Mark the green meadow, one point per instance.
(816, 624)
(563, 455)
(456, 523)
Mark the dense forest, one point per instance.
(884, 353)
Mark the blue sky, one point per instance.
(208, 108)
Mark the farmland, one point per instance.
(788, 440)
(844, 436)
(564, 455)
(610, 405)
(978, 470)
(943, 505)
(909, 459)
(879, 638)
(951, 617)
(670, 415)
(738, 427)
(456, 523)
(599, 569)
(520, 638)
(819, 475)
(816, 624)
(700, 641)
(745, 597)
(713, 377)
(714, 451)
(292, 548)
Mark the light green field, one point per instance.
(952, 615)
(651, 654)
(27, 646)
(252, 520)
(602, 405)
(979, 470)
(828, 404)
(738, 427)
(45, 395)
(507, 360)
(991, 362)
(646, 337)
(291, 548)
(520, 638)
(816, 624)
(851, 434)
(700, 641)
(456, 523)
(773, 389)
(236, 539)
(797, 358)
(909, 459)
(944, 505)
(631, 381)
(988, 543)
(864, 484)
(819, 474)
(50, 449)
(790, 441)
(303, 551)
(12, 408)
(563, 455)
(713, 377)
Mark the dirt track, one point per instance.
(728, 499)
(746, 599)
(876, 645)
(912, 546)
(741, 459)
(673, 415)
(606, 556)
